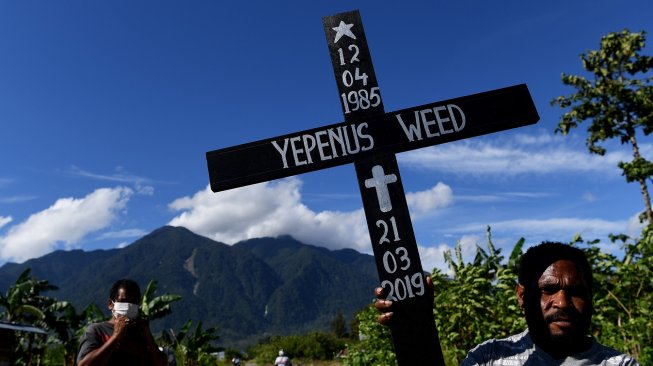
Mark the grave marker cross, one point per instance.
(370, 138)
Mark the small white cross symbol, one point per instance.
(380, 181)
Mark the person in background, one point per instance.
(282, 360)
(123, 340)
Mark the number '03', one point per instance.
(384, 225)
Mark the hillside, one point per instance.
(249, 290)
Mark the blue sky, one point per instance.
(108, 108)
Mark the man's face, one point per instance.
(124, 296)
(559, 305)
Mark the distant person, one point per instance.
(235, 361)
(123, 340)
(282, 360)
(555, 292)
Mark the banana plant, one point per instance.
(156, 307)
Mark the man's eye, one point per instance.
(578, 291)
(548, 290)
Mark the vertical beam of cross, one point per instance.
(414, 333)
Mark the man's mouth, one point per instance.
(561, 321)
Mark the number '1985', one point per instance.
(360, 99)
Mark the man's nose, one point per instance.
(561, 299)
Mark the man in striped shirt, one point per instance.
(555, 292)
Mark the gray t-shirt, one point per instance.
(131, 351)
(519, 350)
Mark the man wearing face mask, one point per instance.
(125, 339)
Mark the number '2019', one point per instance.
(405, 287)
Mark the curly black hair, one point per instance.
(129, 285)
(536, 260)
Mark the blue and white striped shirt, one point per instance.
(519, 350)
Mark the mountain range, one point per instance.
(249, 290)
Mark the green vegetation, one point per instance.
(301, 348)
(25, 303)
(374, 346)
(156, 307)
(253, 289)
(474, 302)
(618, 99)
(193, 348)
(623, 296)
(478, 302)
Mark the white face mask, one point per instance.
(125, 308)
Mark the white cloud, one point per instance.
(513, 195)
(485, 198)
(272, 209)
(141, 185)
(433, 256)
(269, 209)
(5, 182)
(145, 190)
(4, 220)
(468, 245)
(16, 199)
(534, 139)
(519, 155)
(67, 221)
(556, 229)
(127, 233)
(422, 202)
(589, 197)
(535, 231)
(502, 197)
(634, 226)
(275, 208)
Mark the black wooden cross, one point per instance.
(370, 138)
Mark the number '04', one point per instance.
(384, 225)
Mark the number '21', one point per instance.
(395, 232)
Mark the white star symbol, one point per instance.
(343, 30)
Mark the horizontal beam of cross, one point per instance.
(393, 132)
